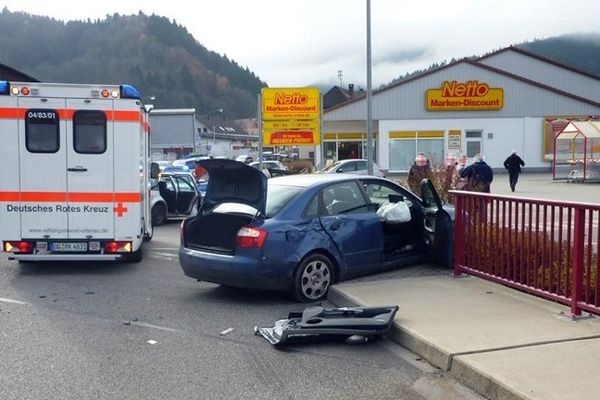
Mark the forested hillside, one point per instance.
(156, 55)
(580, 51)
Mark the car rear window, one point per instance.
(278, 196)
(89, 132)
(42, 131)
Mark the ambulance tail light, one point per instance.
(129, 92)
(22, 247)
(4, 87)
(117, 247)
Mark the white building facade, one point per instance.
(510, 99)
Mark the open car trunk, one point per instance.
(215, 231)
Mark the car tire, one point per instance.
(312, 279)
(136, 256)
(159, 214)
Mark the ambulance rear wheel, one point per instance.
(136, 256)
(159, 214)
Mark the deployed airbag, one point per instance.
(394, 213)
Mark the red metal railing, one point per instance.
(544, 247)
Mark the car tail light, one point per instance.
(250, 236)
(18, 247)
(117, 247)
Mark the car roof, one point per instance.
(306, 180)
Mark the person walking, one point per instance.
(513, 164)
(480, 175)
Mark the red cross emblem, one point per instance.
(120, 210)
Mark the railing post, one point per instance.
(459, 235)
(578, 242)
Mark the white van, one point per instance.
(75, 172)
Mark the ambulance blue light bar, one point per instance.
(4, 87)
(129, 92)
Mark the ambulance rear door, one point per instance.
(90, 163)
(42, 199)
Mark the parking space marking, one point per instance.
(12, 301)
(162, 328)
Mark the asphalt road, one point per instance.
(145, 331)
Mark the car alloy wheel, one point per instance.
(313, 278)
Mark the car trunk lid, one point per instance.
(234, 182)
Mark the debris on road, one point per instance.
(227, 331)
(151, 341)
(354, 324)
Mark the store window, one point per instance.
(344, 146)
(473, 143)
(404, 146)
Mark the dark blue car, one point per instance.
(302, 233)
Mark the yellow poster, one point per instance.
(280, 137)
(290, 103)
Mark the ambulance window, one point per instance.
(89, 132)
(42, 131)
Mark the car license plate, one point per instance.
(68, 246)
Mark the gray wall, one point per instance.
(407, 100)
(172, 130)
(546, 73)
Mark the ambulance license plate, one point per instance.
(68, 246)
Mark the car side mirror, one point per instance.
(154, 170)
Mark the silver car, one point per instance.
(351, 166)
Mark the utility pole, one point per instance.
(369, 94)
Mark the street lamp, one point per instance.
(148, 107)
(214, 112)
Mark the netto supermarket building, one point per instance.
(509, 99)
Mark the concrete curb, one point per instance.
(463, 372)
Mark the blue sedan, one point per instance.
(302, 233)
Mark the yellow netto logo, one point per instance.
(464, 96)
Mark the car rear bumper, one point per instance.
(233, 270)
(65, 257)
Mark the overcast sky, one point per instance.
(302, 42)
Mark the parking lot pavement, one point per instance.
(501, 342)
(542, 186)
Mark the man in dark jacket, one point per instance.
(480, 175)
(513, 164)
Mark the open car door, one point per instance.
(437, 225)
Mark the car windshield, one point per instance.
(332, 166)
(277, 197)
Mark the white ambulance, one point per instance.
(74, 172)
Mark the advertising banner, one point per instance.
(290, 103)
(467, 96)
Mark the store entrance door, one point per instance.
(349, 150)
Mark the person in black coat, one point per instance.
(480, 175)
(513, 164)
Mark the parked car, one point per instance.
(244, 158)
(174, 194)
(352, 166)
(277, 165)
(301, 233)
